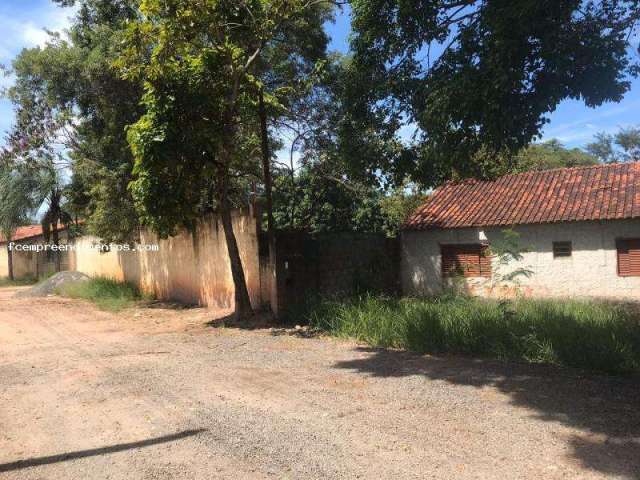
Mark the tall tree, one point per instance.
(50, 190)
(198, 62)
(623, 146)
(17, 204)
(70, 102)
(475, 77)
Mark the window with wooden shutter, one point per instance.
(471, 260)
(628, 257)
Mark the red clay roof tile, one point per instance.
(29, 231)
(601, 192)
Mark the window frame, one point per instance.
(556, 249)
(484, 269)
(624, 243)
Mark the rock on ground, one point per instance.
(52, 284)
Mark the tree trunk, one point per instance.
(243, 309)
(266, 168)
(56, 241)
(10, 260)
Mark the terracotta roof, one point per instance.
(29, 231)
(602, 192)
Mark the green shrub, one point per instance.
(584, 334)
(106, 293)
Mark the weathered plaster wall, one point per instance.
(590, 271)
(31, 264)
(188, 268)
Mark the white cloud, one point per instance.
(581, 131)
(18, 33)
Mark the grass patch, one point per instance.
(106, 293)
(592, 335)
(22, 282)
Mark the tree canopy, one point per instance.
(622, 146)
(201, 64)
(551, 154)
(475, 79)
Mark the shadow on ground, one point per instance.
(607, 406)
(64, 457)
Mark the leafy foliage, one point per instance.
(507, 250)
(201, 64)
(474, 77)
(71, 111)
(17, 199)
(551, 154)
(318, 198)
(622, 147)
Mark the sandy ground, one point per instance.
(156, 393)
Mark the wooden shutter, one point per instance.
(471, 260)
(628, 257)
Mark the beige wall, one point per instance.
(189, 268)
(4, 262)
(30, 264)
(590, 271)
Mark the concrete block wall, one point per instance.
(333, 265)
(591, 271)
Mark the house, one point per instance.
(28, 263)
(579, 229)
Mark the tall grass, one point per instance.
(585, 334)
(106, 293)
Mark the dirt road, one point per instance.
(158, 394)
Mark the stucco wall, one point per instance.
(590, 271)
(188, 268)
(4, 262)
(31, 264)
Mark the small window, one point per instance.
(561, 249)
(471, 260)
(628, 257)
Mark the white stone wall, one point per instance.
(590, 271)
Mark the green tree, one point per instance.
(50, 193)
(199, 63)
(398, 205)
(475, 76)
(290, 70)
(71, 102)
(17, 204)
(551, 154)
(318, 198)
(624, 146)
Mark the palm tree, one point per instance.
(51, 192)
(17, 204)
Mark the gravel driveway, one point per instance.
(155, 393)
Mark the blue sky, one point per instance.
(22, 24)
(572, 123)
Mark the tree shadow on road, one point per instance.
(64, 457)
(597, 404)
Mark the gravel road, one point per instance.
(156, 393)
